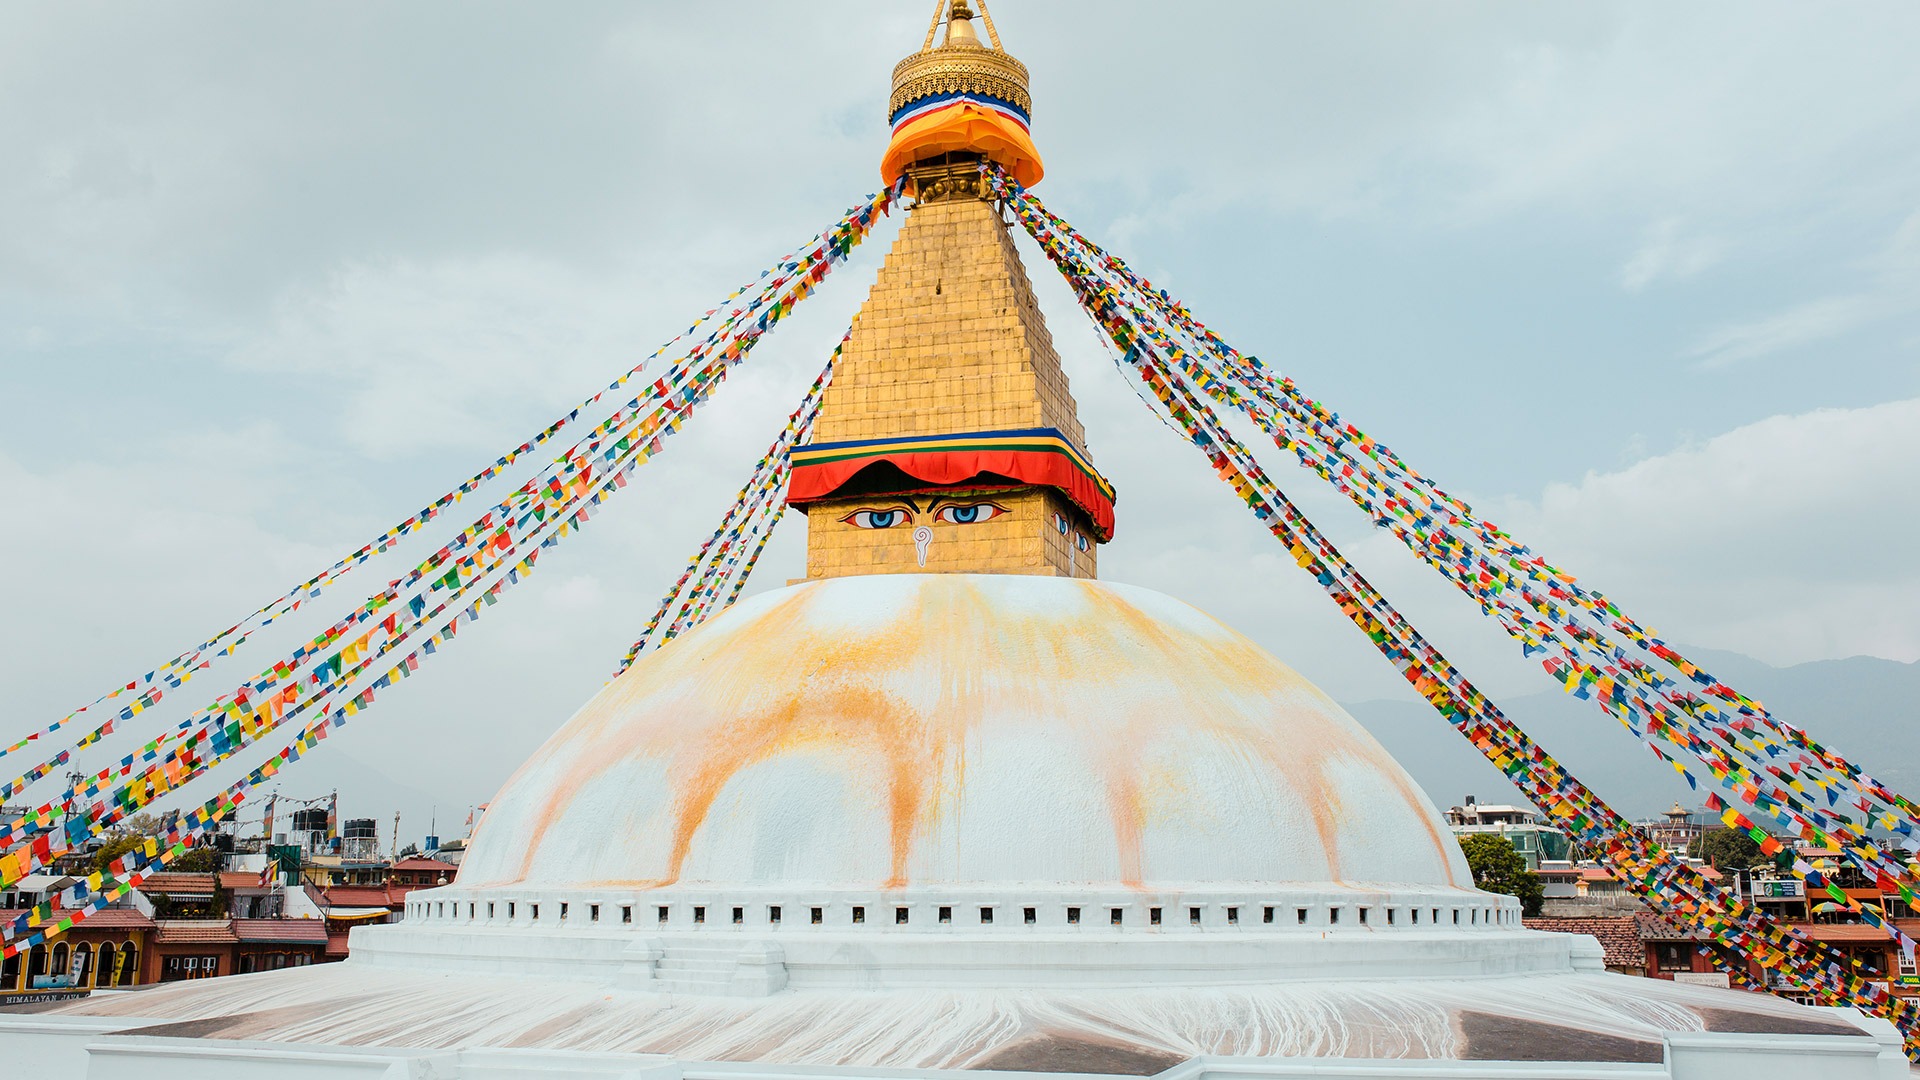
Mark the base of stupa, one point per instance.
(358, 1019)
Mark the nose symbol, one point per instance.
(922, 536)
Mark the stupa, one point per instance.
(951, 802)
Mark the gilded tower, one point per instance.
(949, 441)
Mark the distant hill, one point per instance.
(1866, 708)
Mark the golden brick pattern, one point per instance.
(950, 341)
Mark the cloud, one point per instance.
(1893, 289)
(1666, 254)
(1803, 324)
(1789, 539)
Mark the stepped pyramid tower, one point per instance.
(949, 441)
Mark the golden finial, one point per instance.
(960, 26)
(966, 71)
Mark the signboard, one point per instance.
(1703, 978)
(39, 997)
(1783, 890)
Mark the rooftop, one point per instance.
(187, 886)
(300, 931)
(1618, 935)
(194, 932)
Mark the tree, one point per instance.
(125, 837)
(1498, 868)
(200, 860)
(409, 850)
(1727, 849)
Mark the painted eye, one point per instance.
(876, 519)
(970, 514)
(1080, 541)
(1060, 523)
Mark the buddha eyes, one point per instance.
(876, 519)
(970, 513)
(951, 514)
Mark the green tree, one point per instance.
(1727, 849)
(1498, 868)
(200, 860)
(125, 837)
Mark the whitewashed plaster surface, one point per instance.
(354, 1005)
(927, 730)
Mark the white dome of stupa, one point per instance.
(937, 732)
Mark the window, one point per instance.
(946, 914)
(1672, 956)
(1456, 916)
(1266, 915)
(819, 916)
(986, 915)
(1028, 913)
(900, 916)
(626, 913)
(739, 916)
(660, 914)
(1363, 916)
(1153, 916)
(1333, 915)
(1233, 916)
(563, 913)
(509, 911)
(469, 911)
(1415, 912)
(1300, 916)
(1116, 916)
(593, 912)
(1193, 916)
(859, 915)
(489, 909)
(699, 915)
(773, 915)
(1073, 916)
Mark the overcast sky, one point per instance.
(1641, 280)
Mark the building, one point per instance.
(1536, 841)
(952, 802)
(108, 950)
(1677, 830)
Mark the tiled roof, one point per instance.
(1619, 936)
(336, 943)
(1843, 932)
(301, 931)
(104, 919)
(419, 864)
(1654, 928)
(188, 885)
(115, 918)
(236, 880)
(359, 896)
(194, 932)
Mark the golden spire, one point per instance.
(960, 27)
(962, 97)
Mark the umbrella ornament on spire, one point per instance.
(961, 99)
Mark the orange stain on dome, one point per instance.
(784, 682)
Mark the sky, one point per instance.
(1640, 281)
